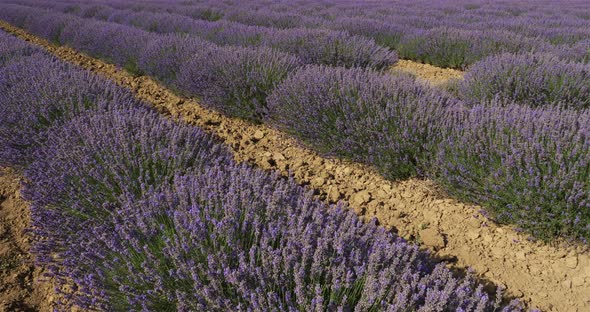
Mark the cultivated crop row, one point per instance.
(444, 33)
(528, 166)
(540, 78)
(318, 46)
(131, 211)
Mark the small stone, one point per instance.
(571, 262)
(258, 135)
(474, 223)
(318, 182)
(381, 194)
(360, 198)
(318, 162)
(279, 156)
(578, 281)
(431, 237)
(386, 188)
(567, 284)
(473, 235)
(334, 194)
(520, 255)
(517, 293)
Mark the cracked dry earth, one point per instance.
(552, 278)
(21, 283)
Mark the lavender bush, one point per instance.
(138, 149)
(164, 58)
(87, 164)
(240, 89)
(457, 48)
(527, 166)
(578, 52)
(531, 79)
(39, 91)
(385, 34)
(269, 18)
(360, 114)
(49, 26)
(120, 45)
(12, 48)
(240, 239)
(331, 48)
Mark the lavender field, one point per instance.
(131, 210)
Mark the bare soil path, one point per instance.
(553, 278)
(432, 75)
(21, 283)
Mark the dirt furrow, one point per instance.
(553, 278)
(427, 73)
(22, 285)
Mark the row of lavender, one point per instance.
(532, 79)
(313, 46)
(527, 166)
(132, 211)
(448, 34)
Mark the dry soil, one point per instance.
(427, 73)
(22, 286)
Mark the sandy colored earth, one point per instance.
(22, 286)
(552, 278)
(427, 73)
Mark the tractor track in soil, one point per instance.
(549, 277)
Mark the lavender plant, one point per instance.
(456, 48)
(270, 18)
(360, 114)
(164, 58)
(49, 26)
(331, 48)
(578, 52)
(528, 166)
(138, 150)
(39, 91)
(120, 45)
(530, 79)
(240, 239)
(384, 34)
(11, 48)
(86, 165)
(236, 81)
